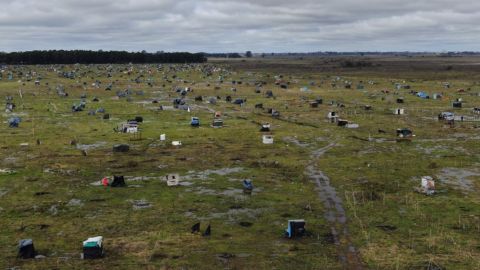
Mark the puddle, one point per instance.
(295, 141)
(232, 192)
(204, 191)
(190, 214)
(144, 102)
(244, 255)
(140, 204)
(204, 175)
(210, 110)
(232, 215)
(7, 171)
(10, 160)
(460, 135)
(369, 150)
(459, 178)
(167, 108)
(86, 147)
(6, 115)
(53, 210)
(229, 192)
(143, 178)
(75, 203)
(60, 171)
(236, 214)
(185, 183)
(96, 183)
(157, 178)
(431, 150)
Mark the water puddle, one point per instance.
(295, 141)
(140, 204)
(204, 175)
(86, 147)
(459, 178)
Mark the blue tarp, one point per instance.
(247, 184)
(195, 122)
(14, 121)
(422, 95)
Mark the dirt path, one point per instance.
(335, 213)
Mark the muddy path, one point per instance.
(334, 212)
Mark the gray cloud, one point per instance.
(222, 26)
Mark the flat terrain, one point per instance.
(355, 187)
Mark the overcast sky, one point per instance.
(228, 26)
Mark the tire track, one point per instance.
(335, 213)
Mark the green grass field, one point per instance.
(46, 191)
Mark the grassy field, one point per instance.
(48, 191)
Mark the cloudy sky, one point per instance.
(227, 26)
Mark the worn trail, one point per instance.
(335, 213)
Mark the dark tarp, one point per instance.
(26, 250)
(118, 181)
(121, 148)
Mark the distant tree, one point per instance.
(248, 54)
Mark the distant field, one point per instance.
(355, 188)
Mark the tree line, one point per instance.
(223, 55)
(97, 57)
